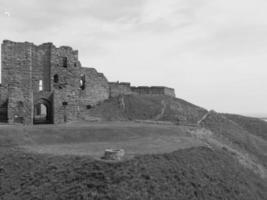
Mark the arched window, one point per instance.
(56, 78)
(82, 81)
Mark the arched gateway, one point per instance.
(42, 112)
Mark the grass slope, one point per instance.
(147, 107)
(197, 173)
(194, 173)
(253, 125)
(237, 136)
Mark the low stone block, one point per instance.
(114, 154)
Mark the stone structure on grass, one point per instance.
(114, 154)
(46, 84)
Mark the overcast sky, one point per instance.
(213, 52)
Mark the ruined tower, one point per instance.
(45, 84)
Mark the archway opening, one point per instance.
(42, 112)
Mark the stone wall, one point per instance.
(96, 87)
(3, 104)
(3, 95)
(66, 107)
(119, 88)
(65, 83)
(16, 78)
(169, 91)
(155, 90)
(41, 67)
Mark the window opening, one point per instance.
(40, 85)
(55, 78)
(65, 62)
(82, 81)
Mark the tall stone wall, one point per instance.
(119, 88)
(16, 78)
(41, 67)
(64, 65)
(65, 83)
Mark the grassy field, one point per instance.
(166, 158)
(165, 162)
(93, 138)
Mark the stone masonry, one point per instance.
(46, 84)
(119, 88)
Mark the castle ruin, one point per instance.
(48, 85)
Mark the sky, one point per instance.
(212, 52)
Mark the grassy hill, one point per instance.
(147, 107)
(253, 125)
(221, 156)
(196, 173)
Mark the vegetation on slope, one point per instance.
(148, 107)
(197, 173)
(239, 137)
(253, 125)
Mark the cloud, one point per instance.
(7, 13)
(206, 49)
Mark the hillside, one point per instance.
(198, 155)
(196, 173)
(243, 136)
(147, 107)
(253, 125)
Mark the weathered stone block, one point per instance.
(114, 154)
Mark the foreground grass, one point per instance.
(196, 173)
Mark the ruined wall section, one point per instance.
(124, 88)
(65, 83)
(3, 87)
(41, 67)
(16, 79)
(3, 95)
(154, 90)
(3, 104)
(169, 91)
(119, 88)
(96, 87)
